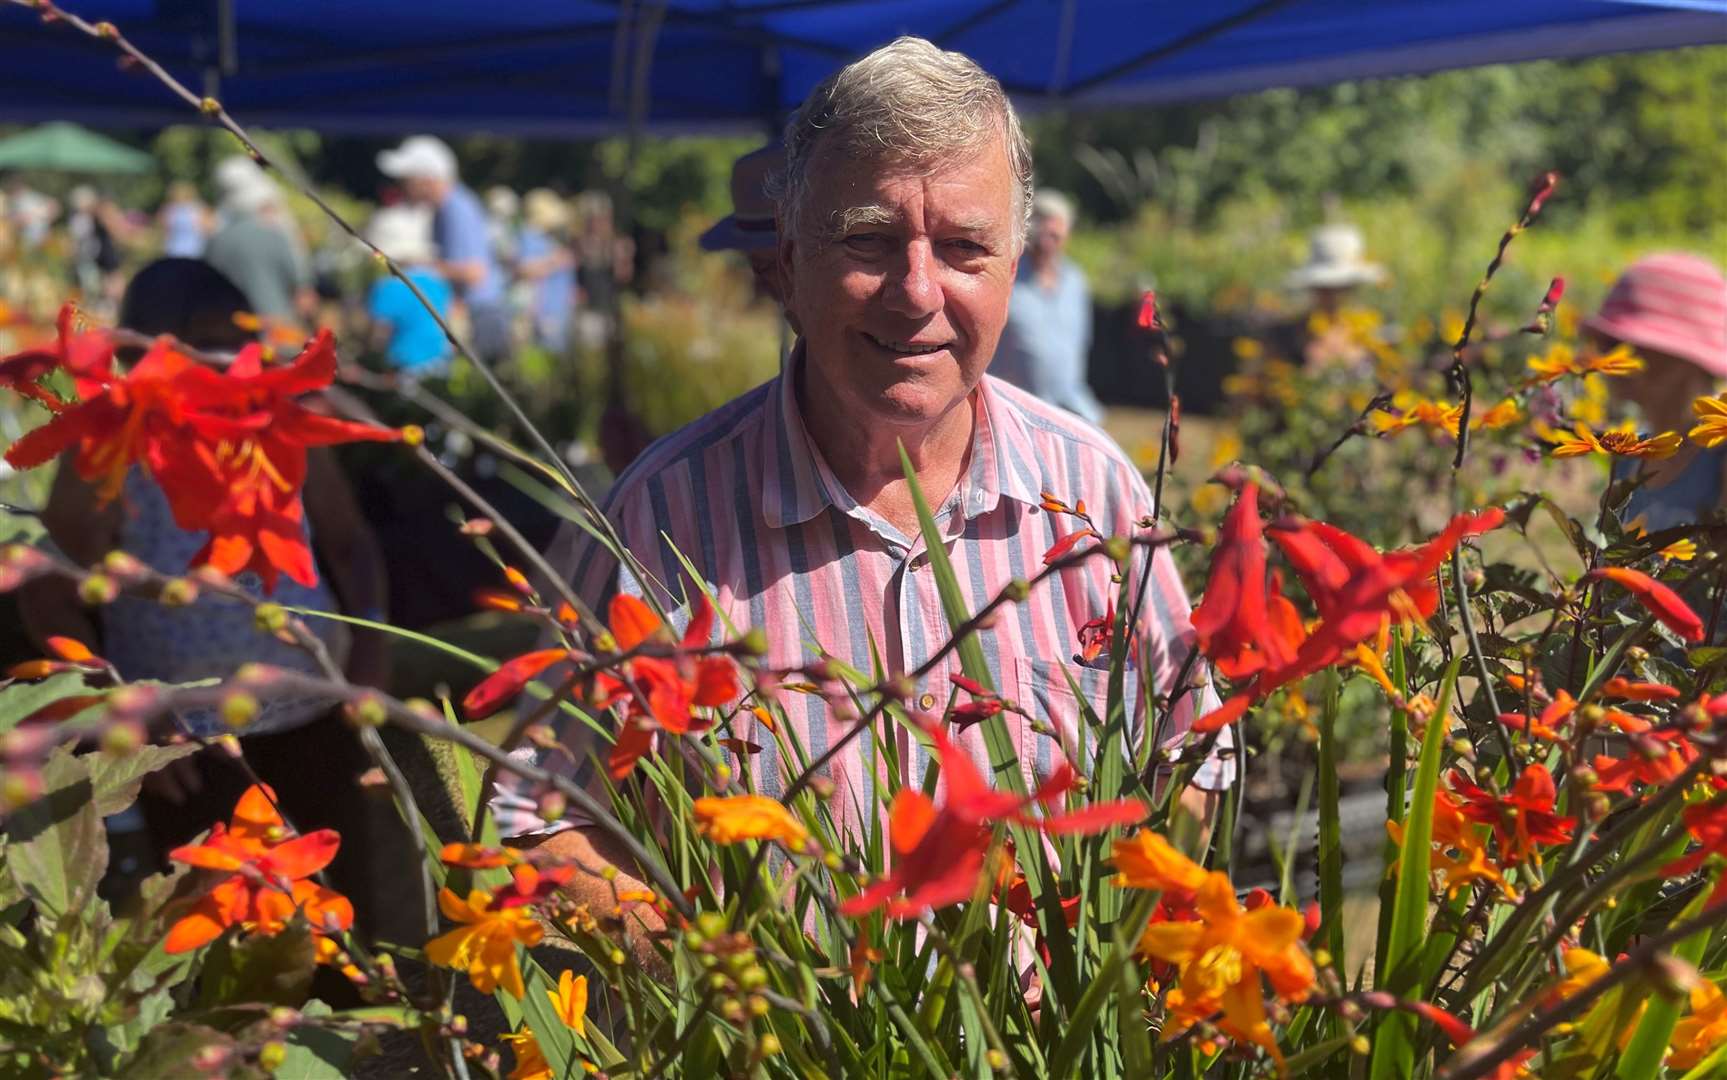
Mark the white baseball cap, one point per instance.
(419, 156)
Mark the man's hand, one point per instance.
(590, 850)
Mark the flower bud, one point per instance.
(239, 709)
(368, 711)
(412, 435)
(822, 787)
(97, 589)
(1017, 590)
(19, 787)
(1360, 1046)
(124, 566)
(210, 106)
(552, 806)
(753, 643)
(272, 1055)
(177, 593)
(758, 1005)
(122, 738)
(770, 1045)
(270, 618)
(1117, 548)
(997, 1060)
(284, 1017)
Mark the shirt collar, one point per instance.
(797, 483)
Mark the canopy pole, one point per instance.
(632, 65)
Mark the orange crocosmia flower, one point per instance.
(1066, 544)
(1627, 690)
(73, 655)
(478, 857)
(1241, 624)
(736, 818)
(267, 867)
(498, 600)
(485, 944)
(1502, 415)
(1697, 1035)
(1221, 956)
(1459, 848)
(939, 851)
(570, 1002)
(1661, 601)
(1520, 820)
(1146, 860)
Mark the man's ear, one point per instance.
(784, 253)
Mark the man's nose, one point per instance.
(916, 291)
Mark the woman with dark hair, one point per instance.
(302, 748)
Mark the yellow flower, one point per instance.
(1413, 409)
(1711, 429)
(1451, 327)
(1221, 958)
(1697, 1036)
(1682, 550)
(1561, 360)
(1247, 348)
(570, 1001)
(485, 945)
(1226, 449)
(1622, 441)
(1148, 861)
(1583, 967)
(1501, 415)
(733, 819)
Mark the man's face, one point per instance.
(1048, 239)
(425, 190)
(899, 280)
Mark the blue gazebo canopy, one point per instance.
(573, 67)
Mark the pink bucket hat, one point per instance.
(1672, 302)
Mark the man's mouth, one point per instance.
(907, 348)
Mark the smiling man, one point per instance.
(902, 214)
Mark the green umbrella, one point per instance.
(70, 148)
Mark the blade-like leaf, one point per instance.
(1399, 969)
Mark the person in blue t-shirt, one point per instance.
(462, 234)
(402, 328)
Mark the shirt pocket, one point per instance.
(1042, 689)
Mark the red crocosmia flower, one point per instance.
(1097, 636)
(1065, 544)
(1461, 1035)
(984, 704)
(1148, 319)
(1357, 591)
(1234, 621)
(660, 691)
(1547, 725)
(1654, 760)
(1626, 690)
(1707, 824)
(939, 851)
(228, 448)
(267, 866)
(531, 885)
(23, 374)
(1520, 820)
(1662, 602)
(503, 685)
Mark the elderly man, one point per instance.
(1045, 344)
(462, 231)
(902, 215)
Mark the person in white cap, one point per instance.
(1335, 267)
(255, 245)
(461, 231)
(411, 340)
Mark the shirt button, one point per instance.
(927, 702)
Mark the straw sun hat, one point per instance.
(1334, 261)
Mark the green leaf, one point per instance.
(170, 1052)
(58, 851)
(21, 699)
(1330, 824)
(276, 969)
(1399, 970)
(1642, 1057)
(114, 780)
(316, 1052)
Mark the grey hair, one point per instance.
(910, 103)
(1049, 203)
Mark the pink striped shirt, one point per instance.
(745, 496)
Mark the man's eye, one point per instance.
(867, 243)
(967, 248)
